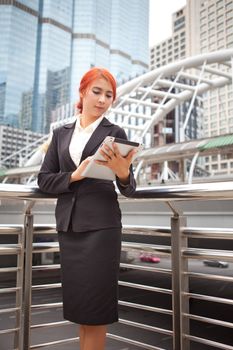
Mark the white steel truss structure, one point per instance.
(144, 101)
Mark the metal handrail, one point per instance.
(180, 253)
(211, 190)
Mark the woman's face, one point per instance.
(97, 98)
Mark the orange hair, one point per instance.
(90, 76)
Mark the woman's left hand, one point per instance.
(116, 162)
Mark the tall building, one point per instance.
(13, 140)
(199, 27)
(46, 46)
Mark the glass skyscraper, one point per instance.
(47, 45)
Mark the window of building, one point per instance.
(229, 30)
(220, 34)
(213, 125)
(219, 3)
(229, 14)
(212, 31)
(220, 26)
(212, 46)
(214, 158)
(223, 156)
(224, 166)
(214, 166)
(203, 13)
(229, 6)
(203, 20)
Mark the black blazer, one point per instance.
(89, 204)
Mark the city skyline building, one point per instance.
(13, 140)
(199, 27)
(46, 47)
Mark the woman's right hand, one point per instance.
(76, 175)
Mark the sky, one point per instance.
(160, 23)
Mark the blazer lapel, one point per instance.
(96, 138)
(67, 138)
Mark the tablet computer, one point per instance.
(98, 171)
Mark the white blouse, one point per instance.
(80, 138)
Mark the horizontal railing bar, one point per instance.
(144, 287)
(8, 230)
(54, 247)
(196, 253)
(209, 276)
(9, 249)
(50, 324)
(41, 229)
(56, 342)
(146, 230)
(45, 247)
(145, 307)
(220, 190)
(209, 298)
(9, 310)
(146, 268)
(46, 306)
(121, 283)
(9, 269)
(209, 320)
(123, 303)
(209, 342)
(46, 286)
(46, 267)
(145, 326)
(9, 290)
(9, 331)
(146, 247)
(133, 342)
(208, 233)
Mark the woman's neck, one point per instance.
(86, 120)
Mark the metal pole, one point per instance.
(18, 338)
(28, 226)
(178, 266)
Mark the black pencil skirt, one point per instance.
(89, 271)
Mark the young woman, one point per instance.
(88, 216)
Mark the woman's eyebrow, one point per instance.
(99, 88)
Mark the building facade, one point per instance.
(13, 140)
(46, 46)
(199, 27)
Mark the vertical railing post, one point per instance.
(18, 338)
(28, 226)
(179, 283)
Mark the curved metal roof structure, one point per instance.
(147, 99)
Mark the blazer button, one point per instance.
(73, 199)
